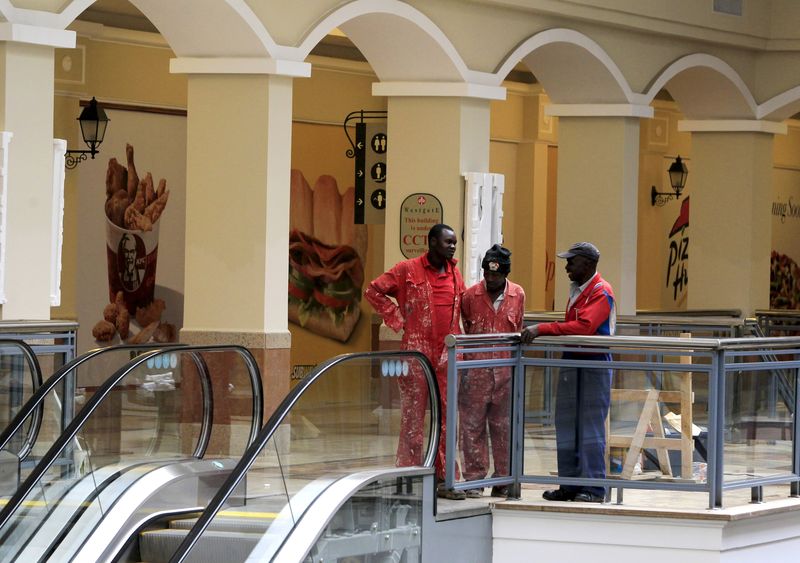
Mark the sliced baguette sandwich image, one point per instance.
(326, 258)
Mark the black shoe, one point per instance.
(558, 494)
(474, 493)
(589, 497)
(449, 494)
(501, 491)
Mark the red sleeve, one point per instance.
(590, 316)
(378, 294)
(521, 311)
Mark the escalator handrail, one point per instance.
(36, 381)
(280, 413)
(44, 389)
(312, 524)
(85, 413)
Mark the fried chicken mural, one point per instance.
(133, 209)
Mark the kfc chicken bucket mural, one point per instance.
(133, 210)
(326, 258)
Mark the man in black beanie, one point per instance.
(493, 305)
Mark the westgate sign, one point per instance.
(418, 213)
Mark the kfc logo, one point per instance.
(131, 261)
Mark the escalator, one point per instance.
(319, 483)
(158, 436)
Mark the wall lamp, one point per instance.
(93, 120)
(677, 179)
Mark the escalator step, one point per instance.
(250, 524)
(157, 546)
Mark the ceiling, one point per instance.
(123, 14)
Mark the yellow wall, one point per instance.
(522, 148)
(111, 71)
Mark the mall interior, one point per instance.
(153, 347)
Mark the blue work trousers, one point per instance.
(583, 397)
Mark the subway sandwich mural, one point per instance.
(326, 258)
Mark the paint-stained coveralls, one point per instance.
(484, 394)
(427, 308)
(583, 395)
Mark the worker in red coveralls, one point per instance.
(493, 305)
(422, 297)
(583, 394)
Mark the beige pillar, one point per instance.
(729, 249)
(434, 140)
(26, 110)
(237, 217)
(534, 205)
(598, 165)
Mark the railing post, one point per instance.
(716, 420)
(794, 488)
(517, 424)
(452, 409)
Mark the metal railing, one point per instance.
(742, 449)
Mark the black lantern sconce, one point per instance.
(93, 120)
(677, 179)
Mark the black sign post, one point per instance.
(369, 151)
(360, 173)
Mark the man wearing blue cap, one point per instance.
(584, 394)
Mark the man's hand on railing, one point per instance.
(529, 333)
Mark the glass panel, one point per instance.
(647, 424)
(390, 510)
(154, 414)
(16, 385)
(539, 441)
(484, 420)
(759, 425)
(77, 386)
(347, 419)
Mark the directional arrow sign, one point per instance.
(360, 173)
(360, 201)
(360, 145)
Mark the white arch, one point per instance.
(425, 30)
(701, 66)
(41, 18)
(570, 37)
(782, 106)
(243, 35)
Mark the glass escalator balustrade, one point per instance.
(195, 407)
(42, 416)
(344, 418)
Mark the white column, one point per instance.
(436, 133)
(598, 167)
(729, 251)
(26, 111)
(239, 139)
